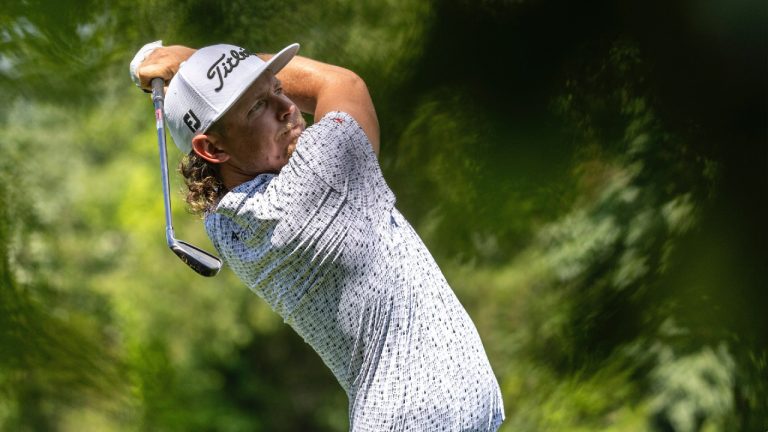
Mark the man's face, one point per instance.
(261, 128)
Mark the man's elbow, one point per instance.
(350, 81)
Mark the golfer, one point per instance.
(306, 220)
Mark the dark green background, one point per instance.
(591, 177)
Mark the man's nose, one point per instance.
(287, 109)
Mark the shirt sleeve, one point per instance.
(337, 150)
(332, 176)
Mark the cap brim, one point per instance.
(279, 60)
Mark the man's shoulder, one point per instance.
(246, 200)
(332, 148)
(334, 121)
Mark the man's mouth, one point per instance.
(292, 132)
(293, 126)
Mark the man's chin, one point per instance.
(292, 145)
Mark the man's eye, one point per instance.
(256, 106)
(279, 90)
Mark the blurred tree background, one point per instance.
(591, 177)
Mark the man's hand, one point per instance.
(163, 63)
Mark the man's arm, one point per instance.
(318, 88)
(315, 87)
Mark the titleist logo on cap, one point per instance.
(224, 65)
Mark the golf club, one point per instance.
(200, 260)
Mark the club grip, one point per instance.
(157, 89)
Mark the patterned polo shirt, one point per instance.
(323, 244)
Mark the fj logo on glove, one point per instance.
(191, 120)
(224, 65)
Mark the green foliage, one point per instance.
(693, 392)
(54, 348)
(579, 202)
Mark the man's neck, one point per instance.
(233, 179)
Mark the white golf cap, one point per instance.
(209, 83)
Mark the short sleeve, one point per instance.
(332, 180)
(337, 151)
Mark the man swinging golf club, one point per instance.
(306, 220)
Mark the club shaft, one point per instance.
(157, 100)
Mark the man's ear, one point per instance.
(208, 147)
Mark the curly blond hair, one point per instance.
(204, 185)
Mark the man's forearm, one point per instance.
(317, 88)
(305, 81)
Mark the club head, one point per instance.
(198, 259)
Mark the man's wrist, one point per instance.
(139, 58)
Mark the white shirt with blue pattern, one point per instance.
(323, 244)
